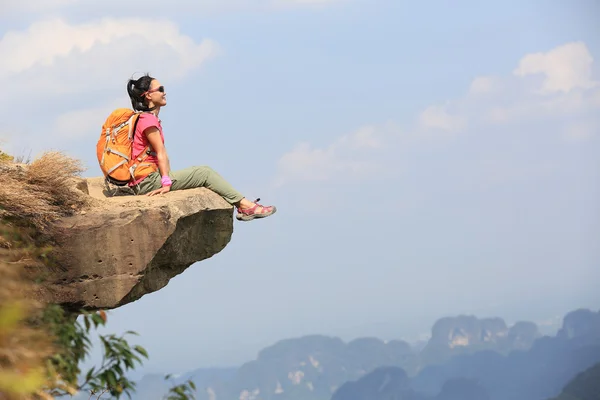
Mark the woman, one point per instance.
(148, 96)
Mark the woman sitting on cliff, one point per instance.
(148, 96)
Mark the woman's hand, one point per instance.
(162, 190)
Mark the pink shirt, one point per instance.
(140, 141)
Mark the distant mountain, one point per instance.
(311, 367)
(462, 389)
(585, 386)
(537, 373)
(154, 386)
(390, 383)
(580, 323)
(522, 375)
(384, 383)
(467, 334)
(465, 358)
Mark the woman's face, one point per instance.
(156, 95)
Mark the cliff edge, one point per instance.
(122, 247)
(106, 250)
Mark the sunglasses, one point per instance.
(158, 89)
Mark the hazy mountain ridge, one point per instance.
(464, 355)
(311, 367)
(585, 386)
(468, 334)
(537, 373)
(154, 386)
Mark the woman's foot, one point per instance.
(247, 210)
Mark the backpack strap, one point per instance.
(139, 160)
(133, 126)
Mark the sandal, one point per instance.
(248, 214)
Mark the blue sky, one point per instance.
(427, 158)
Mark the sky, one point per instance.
(427, 159)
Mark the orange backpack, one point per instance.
(114, 149)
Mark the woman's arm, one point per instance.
(154, 138)
(159, 148)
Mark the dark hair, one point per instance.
(136, 89)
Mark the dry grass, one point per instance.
(23, 348)
(32, 195)
(37, 193)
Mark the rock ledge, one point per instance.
(120, 248)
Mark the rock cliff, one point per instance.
(120, 248)
(581, 324)
(467, 334)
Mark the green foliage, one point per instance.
(73, 340)
(119, 357)
(184, 391)
(42, 346)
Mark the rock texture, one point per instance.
(123, 247)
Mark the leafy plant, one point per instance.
(184, 391)
(41, 345)
(73, 339)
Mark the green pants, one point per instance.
(193, 177)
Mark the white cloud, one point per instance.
(566, 96)
(523, 106)
(85, 122)
(595, 99)
(45, 43)
(438, 117)
(280, 3)
(343, 157)
(148, 7)
(564, 68)
(582, 130)
(10, 6)
(567, 89)
(69, 74)
(483, 85)
(364, 138)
